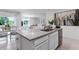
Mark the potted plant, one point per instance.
(52, 23)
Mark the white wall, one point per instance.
(71, 32)
(33, 17)
(11, 14)
(34, 20)
(19, 15)
(7, 13)
(50, 14)
(18, 19)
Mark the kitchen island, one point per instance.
(39, 40)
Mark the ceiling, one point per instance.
(41, 11)
(34, 11)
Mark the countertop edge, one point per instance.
(57, 29)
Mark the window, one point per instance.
(1, 21)
(11, 21)
(26, 21)
(7, 21)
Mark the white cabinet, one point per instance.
(26, 44)
(48, 42)
(53, 41)
(42, 46)
(40, 40)
(56, 40)
(38, 44)
(18, 42)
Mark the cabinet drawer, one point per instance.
(42, 46)
(40, 40)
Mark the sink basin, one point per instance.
(47, 30)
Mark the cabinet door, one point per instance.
(18, 42)
(56, 40)
(53, 41)
(26, 44)
(42, 46)
(39, 44)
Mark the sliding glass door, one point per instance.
(25, 22)
(7, 22)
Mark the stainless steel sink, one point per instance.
(47, 30)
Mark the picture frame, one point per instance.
(66, 18)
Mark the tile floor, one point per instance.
(67, 44)
(8, 44)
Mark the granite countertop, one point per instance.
(35, 34)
